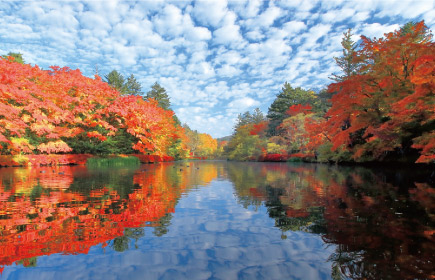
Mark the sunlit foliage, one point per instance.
(61, 111)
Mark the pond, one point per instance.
(216, 220)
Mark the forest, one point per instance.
(380, 108)
(60, 111)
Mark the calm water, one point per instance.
(216, 220)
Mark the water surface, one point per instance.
(216, 220)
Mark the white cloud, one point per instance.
(210, 12)
(294, 27)
(198, 34)
(170, 22)
(337, 15)
(224, 57)
(267, 18)
(228, 71)
(302, 5)
(408, 9)
(243, 103)
(376, 29)
(252, 8)
(315, 33)
(91, 20)
(229, 32)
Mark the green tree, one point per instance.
(245, 146)
(287, 97)
(18, 57)
(159, 94)
(117, 81)
(348, 62)
(410, 28)
(133, 87)
(247, 118)
(258, 116)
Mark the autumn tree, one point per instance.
(61, 111)
(193, 140)
(287, 97)
(200, 144)
(249, 136)
(386, 111)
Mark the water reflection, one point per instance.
(370, 224)
(70, 209)
(382, 222)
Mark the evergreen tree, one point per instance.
(258, 116)
(348, 62)
(159, 94)
(133, 87)
(117, 81)
(247, 118)
(287, 97)
(18, 57)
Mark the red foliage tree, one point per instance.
(390, 103)
(40, 109)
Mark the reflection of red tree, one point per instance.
(362, 214)
(69, 222)
(40, 215)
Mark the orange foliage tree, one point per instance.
(387, 110)
(46, 111)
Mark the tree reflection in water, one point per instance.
(381, 221)
(70, 209)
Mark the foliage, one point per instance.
(387, 109)
(349, 62)
(249, 137)
(12, 56)
(200, 144)
(126, 87)
(287, 97)
(133, 86)
(61, 111)
(381, 108)
(117, 81)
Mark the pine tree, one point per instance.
(133, 86)
(348, 62)
(117, 81)
(287, 97)
(159, 94)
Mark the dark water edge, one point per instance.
(217, 220)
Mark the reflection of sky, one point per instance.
(210, 236)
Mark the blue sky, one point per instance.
(216, 59)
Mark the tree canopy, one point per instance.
(287, 97)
